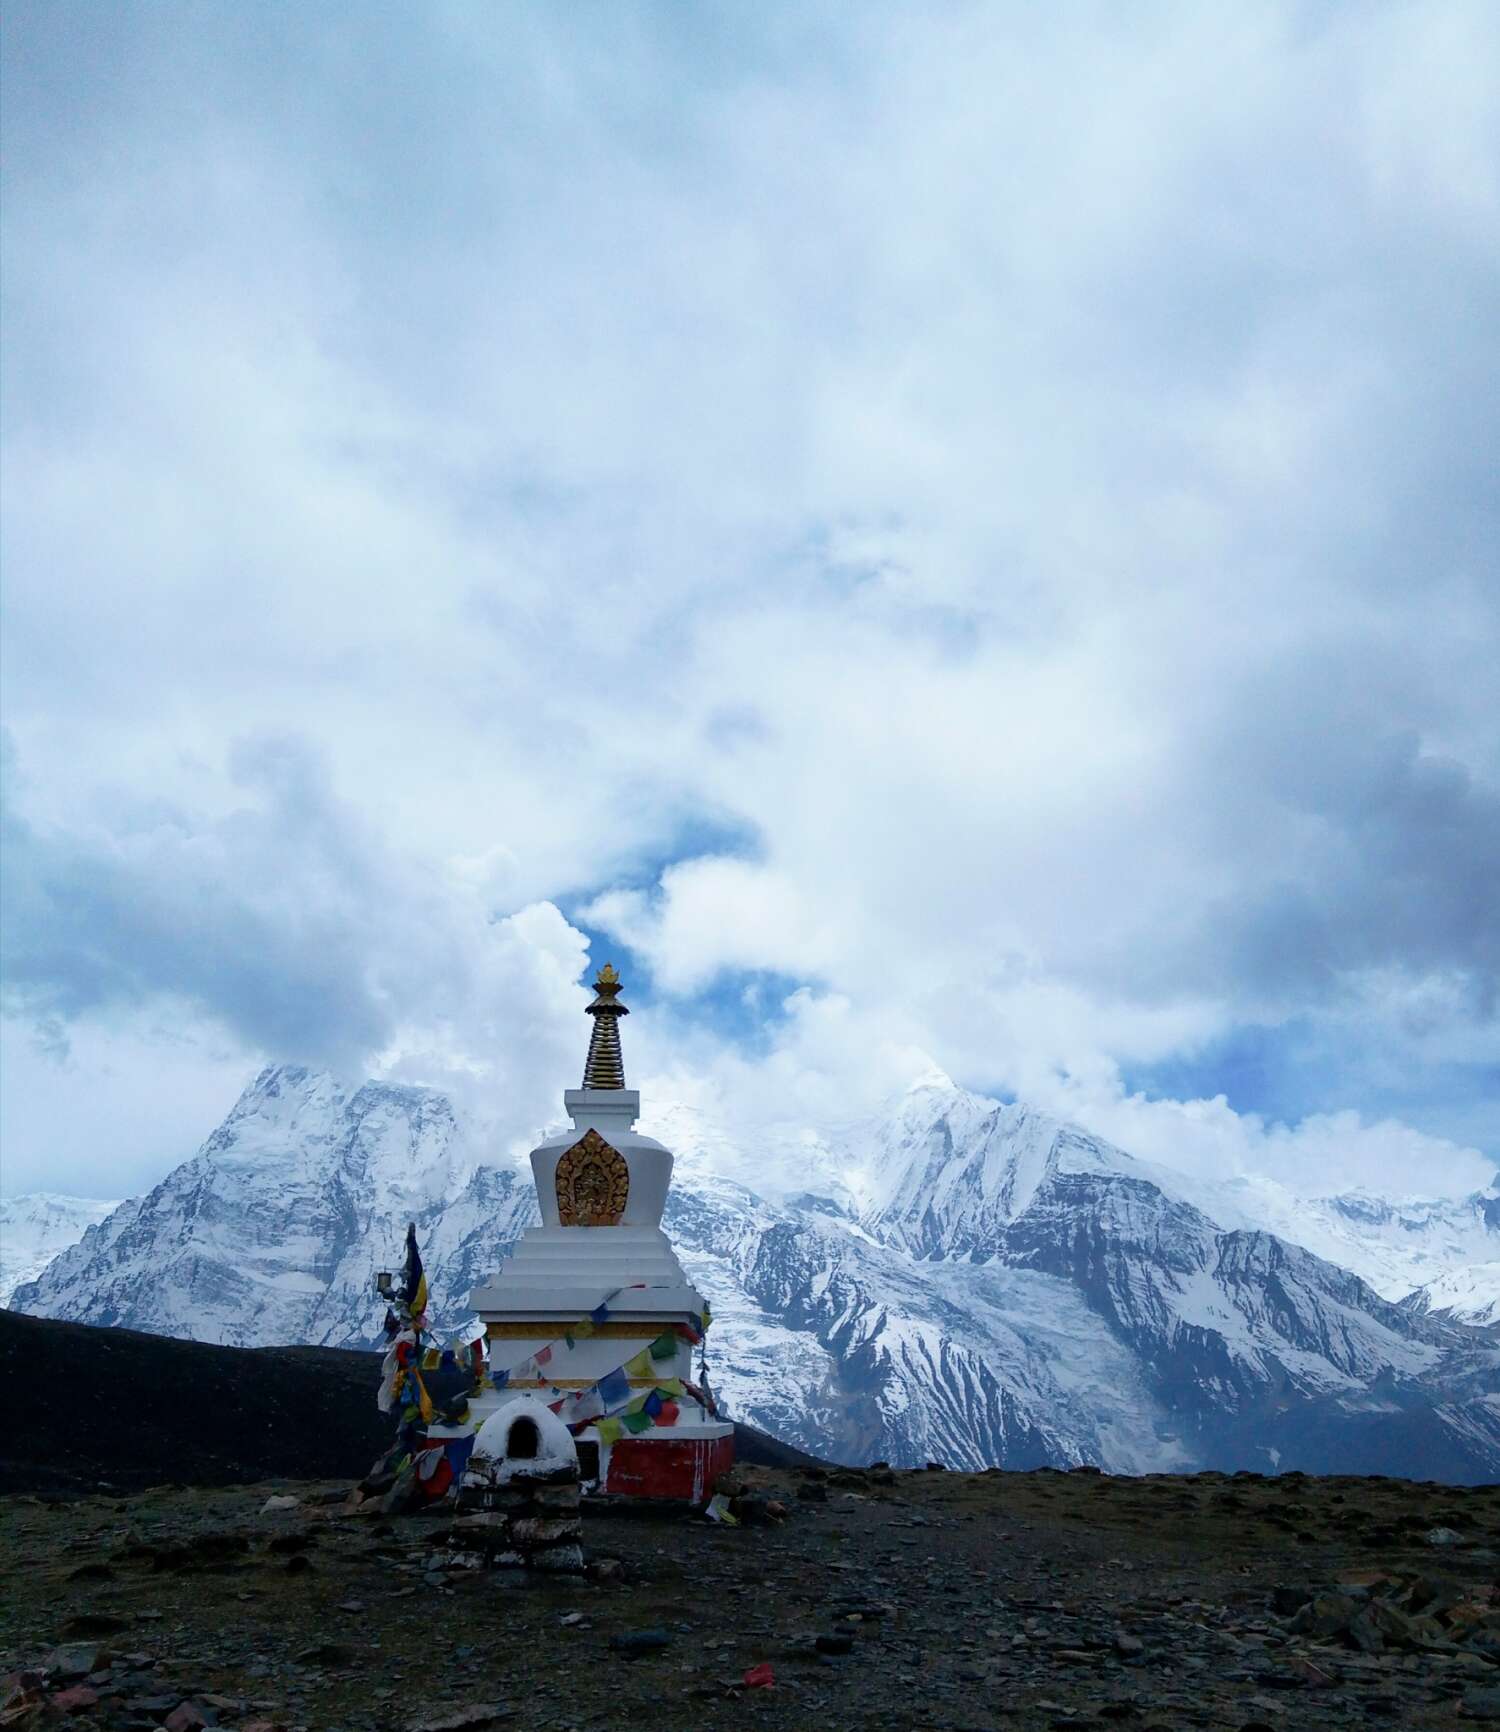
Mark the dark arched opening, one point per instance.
(523, 1441)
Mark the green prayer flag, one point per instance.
(634, 1422)
(609, 1430)
(664, 1346)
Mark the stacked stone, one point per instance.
(518, 1503)
(530, 1523)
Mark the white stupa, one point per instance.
(600, 1260)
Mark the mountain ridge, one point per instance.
(980, 1284)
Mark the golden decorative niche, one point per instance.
(593, 1183)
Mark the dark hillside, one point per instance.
(126, 1410)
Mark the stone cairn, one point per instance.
(518, 1503)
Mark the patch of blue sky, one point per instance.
(1290, 1071)
(742, 1007)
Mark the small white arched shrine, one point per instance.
(522, 1438)
(592, 1315)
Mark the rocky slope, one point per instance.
(962, 1281)
(941, 1601)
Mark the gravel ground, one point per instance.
(947, 1600)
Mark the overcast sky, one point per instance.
(934, 535)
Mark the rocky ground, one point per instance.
(924, 1599)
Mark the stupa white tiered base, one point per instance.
(558, 1275)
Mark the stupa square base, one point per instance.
(679, 1469)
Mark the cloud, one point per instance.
(288, 929)
(982, 513)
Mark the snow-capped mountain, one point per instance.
(961, 1281)
(34, 1228)
(1468, 1295)
(1396, 1246)
(273, 1231)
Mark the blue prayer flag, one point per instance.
(614, 1388)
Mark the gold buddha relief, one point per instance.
(593, 1183)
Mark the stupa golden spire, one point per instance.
(605, 1068)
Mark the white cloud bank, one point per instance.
(981, 511)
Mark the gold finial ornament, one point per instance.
(605, 1067)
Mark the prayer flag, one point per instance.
(413, 1281)
(634, 1422)
(664, 1346)
(431, 1359)
(640, 1365)
(569, 1340)
(500, 1379)
(584, 1329)
(587, 1405)
(600, 1313)
(668, 1414)
(652, 1403)
(614, 1388)
(670, 1386)
(609, 1430)
(544, 1356)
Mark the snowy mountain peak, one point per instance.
(1469, 1295)
(36, 1227)
(960, 1280)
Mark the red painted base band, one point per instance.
(686, 1469)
